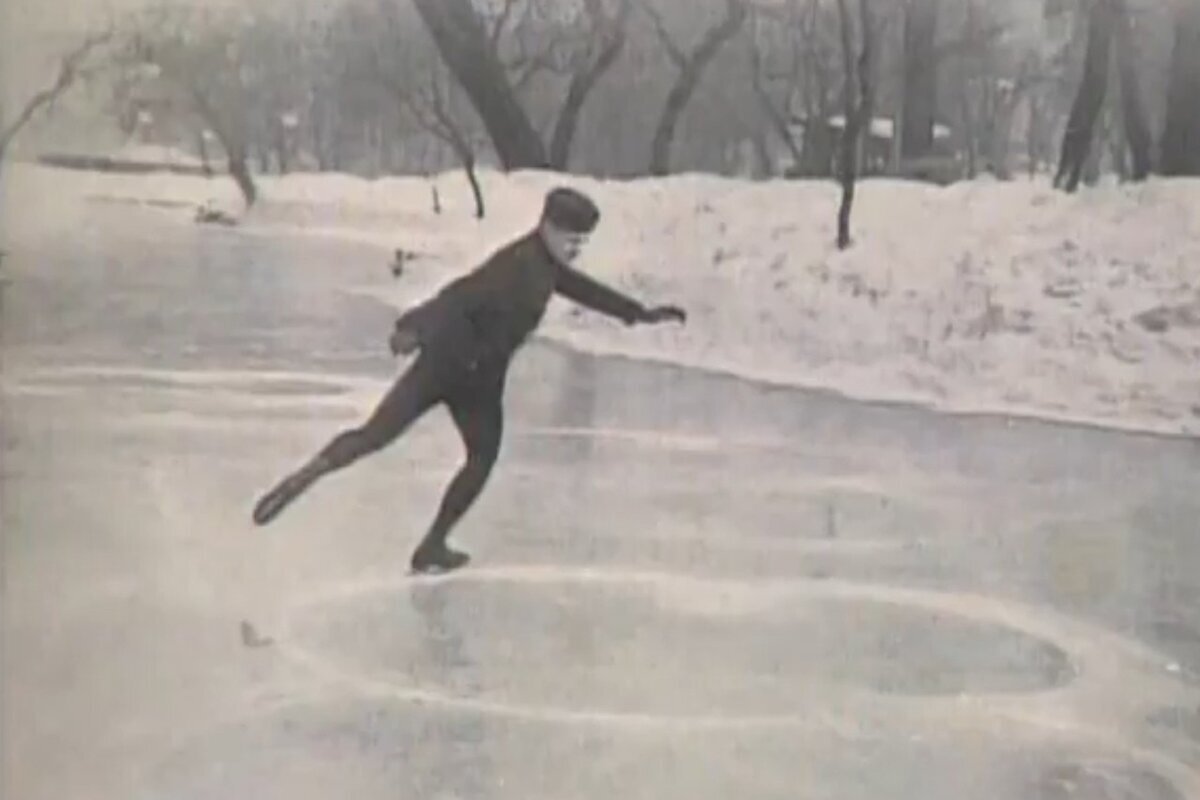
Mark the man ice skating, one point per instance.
(467, 335)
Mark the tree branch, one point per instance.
(735, 15)
(527, 67)
(673, 50)
(501, 22)
(858, 109)
(775, 116)
(690, 73)
(611, 33)
(68, 72)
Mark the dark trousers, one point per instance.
(474, 398)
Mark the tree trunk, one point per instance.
(818, 148)
(1000, 140)
(780, 125)
(1089, 100)
(202, 148)
(582, 83)
(858, 110)
(463, 44)
(468, 163)
(263, 154)
(1180, 144)
(1137, 133)
(9, 133)
(1033, 148)
(236, 151)
(242, 177)
(281, 149)
(920, 78)
(970, 137)
(320, 141)
(1118, 144)
(437, 117)
(691, 71)
(762, 155)
(777, 118)
(1091, 168)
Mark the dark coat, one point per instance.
(483, 317)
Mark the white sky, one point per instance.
(34, 32)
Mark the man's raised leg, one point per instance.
(480, 421)
(412, 395)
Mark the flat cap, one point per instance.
(570, 210)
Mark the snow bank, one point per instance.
(983, 296)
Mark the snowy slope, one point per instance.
(983, 296)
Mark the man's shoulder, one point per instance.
(522, 249)
(520, 253)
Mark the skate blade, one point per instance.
(436, 571)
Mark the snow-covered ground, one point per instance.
(983, 296)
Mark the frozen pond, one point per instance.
(683, 585)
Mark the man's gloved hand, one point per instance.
(665, 313)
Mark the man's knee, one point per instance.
(482, 443)
(481, 457)
(481, 460)
(352, 444)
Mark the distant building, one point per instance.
(879, 155)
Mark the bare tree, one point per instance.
(691, 66)
(279, 74)
(385, 56)
(821, 44)
(379, 58)
(924, 61)
(70, 68)
(858, 101)
(1180, 144)
(991, 79)
(919, 106)
(204, 60)
(1008, 95)
(792, 53)
(1110, 53)
(463, 42)
(768, 20)
(976, 93)
(431, 108)
(1133, 113)
(497, 57)
(604, 43)
(528, 39)
(1089, 100)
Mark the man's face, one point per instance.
(565, 246)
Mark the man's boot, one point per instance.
(433, 556)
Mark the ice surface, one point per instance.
(685, 585)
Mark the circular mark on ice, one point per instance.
(703, 650)
(363, 749)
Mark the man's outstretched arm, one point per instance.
(590, 293)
